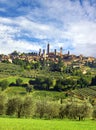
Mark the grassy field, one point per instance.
(21, 91)
(11, 91)
(7, 70)
(37, 124)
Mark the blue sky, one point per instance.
(28, 25)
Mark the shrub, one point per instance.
(40, 108)
(28, 107)
(83, 111)
(4, 84)
(3, 100)
(62, 111)
(74, 111)
(94, 114)
(52, 110)
(19, 82)
(29, 88)
(47, 109)
(14, 106)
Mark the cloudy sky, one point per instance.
(28, 25)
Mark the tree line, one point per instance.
(43, 83)
(58, 66)
(28, 107)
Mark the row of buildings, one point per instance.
(46, 54)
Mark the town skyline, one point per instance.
(47, 50)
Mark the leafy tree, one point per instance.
(40, 83)
(29, 88)
(57, 66)
(4, 84)
(82, 82)
(74, 111)
(62, 111)
(14, 106)
(77, 72)
(3, 100)
(93, 81)
(60, 65)
(49, 83)
(19, 82)
(58, 86)
(28, 107)
(43, 64)
(41, 108)
(65, 84)
(43, 83)
(15, 53)
(94, 114)
(52, 110)
(24, 63)
(32, 82)
(37, 65)
(47, 109)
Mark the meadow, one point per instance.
(37, 124)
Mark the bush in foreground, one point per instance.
(3, 100)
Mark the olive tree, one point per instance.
(28, 107)
(3, 100)
(14, 106)
(94, 113)
(40, 108)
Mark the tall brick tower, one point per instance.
(68, 53)
(61, 51)
(55, 51)
(39, 52)
(48, 48)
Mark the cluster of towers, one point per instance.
(48, 51)
(44, 52)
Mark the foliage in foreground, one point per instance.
(27, 106)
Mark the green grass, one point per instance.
(37, 124)
(51, 94)
(11, 91)
(13, 79)
(7, 70)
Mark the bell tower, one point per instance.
(48, 48)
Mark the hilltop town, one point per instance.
(46, 54)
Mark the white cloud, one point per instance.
(21, 46)
(9, 44)
(83, 32)
(54, 21)
(83, 35)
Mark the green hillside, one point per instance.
(54, 94)
(7, 69)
